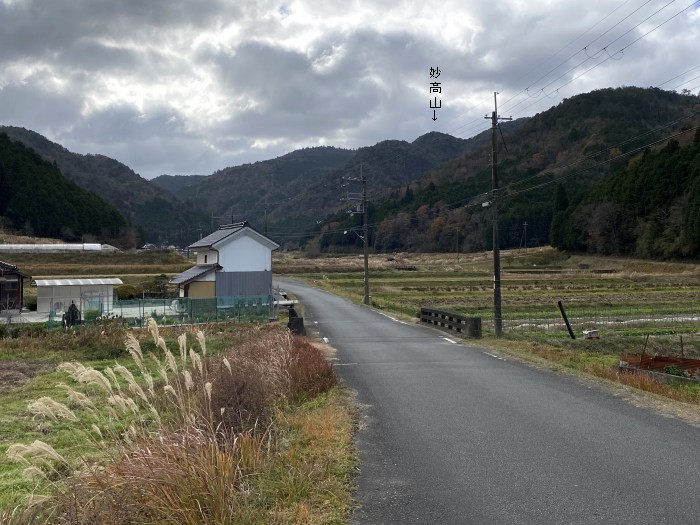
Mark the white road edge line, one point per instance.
(495, 356)
(325, 340)
(450, 340)
(392, 318)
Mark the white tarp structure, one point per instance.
(56, 248)
(87, 294)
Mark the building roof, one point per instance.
(229, 230)
(78, 282)
(194, 273)
(11, 268)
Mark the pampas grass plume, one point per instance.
(196, 360)
(95, 377)
(33, 472)
(76, 397)
(134, 349)
(202, 342)
(170, 360)
(45, 406)
(182, 342)
(153, 328)
(188, 380)
(133, 385)
(38, 449)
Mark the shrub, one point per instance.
(30, 302)
(674, 370)
(91, 314)
(127, 291)
(16, 331)
(310, 373)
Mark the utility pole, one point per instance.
(365, 227)
(497, 317)
(457, 244)
(365, 230)
(525, 234)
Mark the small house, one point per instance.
(56, 295)
(11, 287)
(233, 261)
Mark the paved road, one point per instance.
(457, 436)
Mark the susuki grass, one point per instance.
(252, 435)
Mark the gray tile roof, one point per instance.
(218, 235)
(11, 268)
(193, 273)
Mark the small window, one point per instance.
(205, 259)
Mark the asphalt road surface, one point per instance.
(456, 434)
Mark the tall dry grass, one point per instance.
(182, 434)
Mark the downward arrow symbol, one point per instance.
(434, 117)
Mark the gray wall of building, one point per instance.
(230, 284)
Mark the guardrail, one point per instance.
(470, 326)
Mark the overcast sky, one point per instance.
(193, 86)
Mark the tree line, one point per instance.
(37, 199)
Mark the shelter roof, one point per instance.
(78, 282)
(194, 273)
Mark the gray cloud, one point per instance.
(184, 86)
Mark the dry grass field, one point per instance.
(635, 305)
(596, 291)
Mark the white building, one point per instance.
(233, 261)
(87, 294)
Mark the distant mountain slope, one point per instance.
(176, 183)
(160, 216)
(36, 198)
(247, 191)
(387, 165)
(297, 189)
(578, 142)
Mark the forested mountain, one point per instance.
(580, 163)
(579, 142)
(650, 208)
(176, 183)
(246, 191)
(37, 199)
(386, 165)
(159, 216)
(298, 189)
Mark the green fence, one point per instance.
(184, 310)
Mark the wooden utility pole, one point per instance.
(497, 317)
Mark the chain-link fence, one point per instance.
(183, 310)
